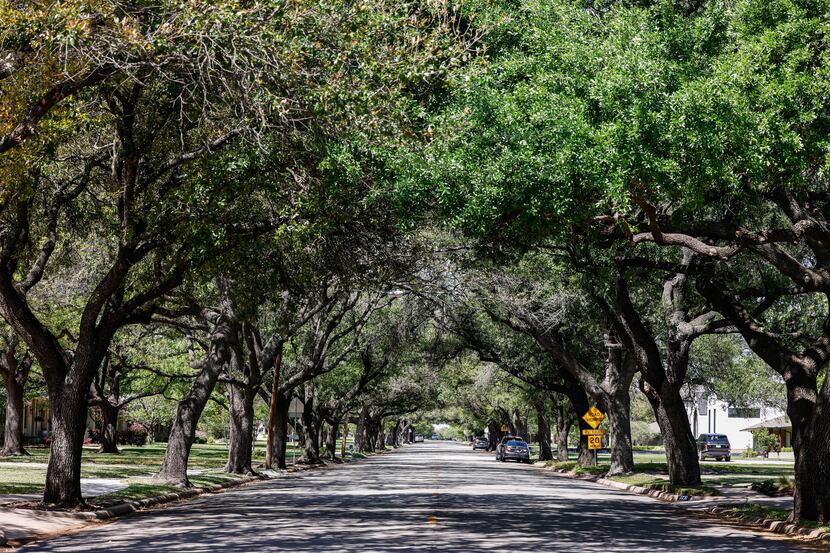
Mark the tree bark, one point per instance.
(681, 449)
(664, 374)
(174, 466)
(361, 437)
(63, 474)
(403, 436)
(380, 435)
(564, 421)
(331, 439)
(520, 425)
(543, 424)
(241, 439)
(811, 448)
(109, 428)
(13, 436)
(280, 429)
(311, 429)
(494, 434)
(392, 436)
(622, 450)
(270, 447)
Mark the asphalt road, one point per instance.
(425, 497)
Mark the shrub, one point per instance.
(201, 437)
(135, 435)
(765, 441)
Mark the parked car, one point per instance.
(513, 447)
(714, 446)
(419, 438)
(435, 437)
(480, 442)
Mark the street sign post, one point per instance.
(594, 418)
(504, 428)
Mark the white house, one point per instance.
(709, 415)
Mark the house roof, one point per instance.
(782, 422)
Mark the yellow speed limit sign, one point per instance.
(594, 442)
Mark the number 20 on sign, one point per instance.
(594, 442)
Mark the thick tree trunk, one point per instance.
(564, 421)
(109, 428)
(380, 436)
(270, 447)
(493, 435)
(280, 429)
(331, 439)
(311, 432)
(543, 423)
(361, 438)
(13, 436)
(679, 443)
(811, 447)
(403, 436)
(622, 451)
(520, 425)
(392, 436)
(174, 466)
(241, 439)
(63, 474)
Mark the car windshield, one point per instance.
(515, 443)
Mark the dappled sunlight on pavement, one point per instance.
(425, 497)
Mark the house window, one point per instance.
(743, 413)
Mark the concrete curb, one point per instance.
(768, 524)
(656, 494)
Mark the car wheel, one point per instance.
(718, 459)
(728, 458)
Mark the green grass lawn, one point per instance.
(650, 472)
(202, 456)
(135, 463)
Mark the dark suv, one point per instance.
(714, 446)
(480, 442)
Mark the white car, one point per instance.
(419, 438)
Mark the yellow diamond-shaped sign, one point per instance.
(594, 417)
